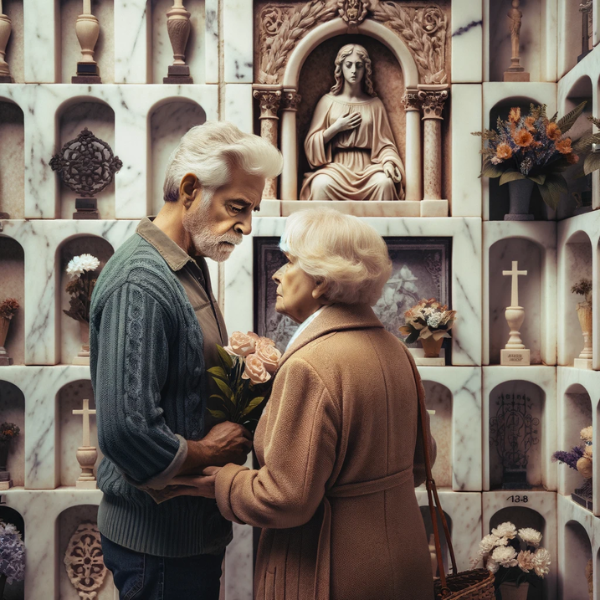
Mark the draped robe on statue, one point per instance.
(350, 166)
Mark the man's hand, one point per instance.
(190, 485)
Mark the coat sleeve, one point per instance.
(300, 449)
(129, 369)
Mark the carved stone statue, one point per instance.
(515, 72)
(350, 142)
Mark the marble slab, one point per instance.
(40, 25)
(467, 41)
(384, 208)
(239, 106)
(238, 49)
(132, 34)
(496, 380)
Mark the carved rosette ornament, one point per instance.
(84, 561)
(353, 11)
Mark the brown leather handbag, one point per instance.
(477, 584)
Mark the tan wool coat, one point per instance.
(337, 446)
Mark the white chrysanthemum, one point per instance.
(541, 562)
(530, 536)
(489, 542)
(434, 320)
(74, 268)
(525, 560)
(505, 556)
(506, 530)
(492, 566)
(89, 262)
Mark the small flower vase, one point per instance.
(2, 585)
(5, 480)
(510, 590)
(584, 313)
(83, 357)
(519, 192)
(5, 360)
(431, 346)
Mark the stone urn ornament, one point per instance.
(5, 31)
(87, 29)
(179, 27)
(8, 433)
(584, 314)
(8, 309)
(84, 561)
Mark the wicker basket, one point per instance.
(468, 585)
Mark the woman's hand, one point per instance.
(193, 485)
(392, 171)
(348, 121)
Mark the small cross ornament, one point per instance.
(514, 290)
(514, 353)
(86, 454)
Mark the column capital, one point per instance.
(269, 101)
(411, 100)
(433, 99)
(291, 100)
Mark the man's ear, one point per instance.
(319, 290)
(188, 188)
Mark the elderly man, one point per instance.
(154, 326)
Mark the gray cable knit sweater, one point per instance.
(149, 382)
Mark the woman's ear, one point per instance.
(188, 189)
(319, 290)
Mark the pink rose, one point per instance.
(241, 344)
(255, 370)
(266, 340)
(268, 354)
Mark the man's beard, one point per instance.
(206, 243)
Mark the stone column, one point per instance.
(289, 146)
(432, 98)
(412, 185)
(269, 100)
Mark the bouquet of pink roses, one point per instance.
(244, 378)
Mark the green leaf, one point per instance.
(584, 144)
(511, 175)
(218, 414)
(218, 372)
(413, 337)
(225, 389)
(554, 117)
(254, 403)
(539, 179)
(591, 163)
(554, 186)
(569, 119)
(225, 356)
(490, 170)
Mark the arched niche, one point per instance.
(577, 554)
(529, 255)
(439, 398)
(161, 49)
(579, 197)
(498, 194)
(12, 410)
(67, 523)
(69, 398)
(12, 285)
(168, 121)
(69, 51)
(13, 9)
(531, 47)
(12, 160)
(570, 36)
(517, 436)
(68, 336)
(16, 590)
(426, 516)
(99, 118)
(577, 266)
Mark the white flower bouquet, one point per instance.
(513, 556)
(428, 319)
(12, 555)
(82, 272)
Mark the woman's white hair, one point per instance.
(211, 150)
(345, 252)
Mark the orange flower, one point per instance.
(503, 151)
(572, 158)
(514, 115)
(564, 146)
(552, 131)
(523, 138)
(529, 122)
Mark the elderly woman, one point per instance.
(338, 445)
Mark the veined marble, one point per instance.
(132, 33)
(39, 23)
(467, 42)
(238, 49)
(238, 106)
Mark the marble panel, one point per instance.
(40, 20)
(211, 41)
(466, 116)
(568, 37)
(384, 208)
(132, 35)
(540, 387)
(12, 160)
(239, 564)
(12, 267)
(14, 10)
(503, 242)
(467, 41)
(238, 20)
(12, 410)
(544, 504)
(238, 106)
(549, 39)
(465, 285)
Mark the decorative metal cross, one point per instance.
(514, 291)
(86, 412)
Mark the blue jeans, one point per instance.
(146, 577)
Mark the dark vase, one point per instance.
(520, 196)
(2, 584)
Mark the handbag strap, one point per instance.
(432, 489)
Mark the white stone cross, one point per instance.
(86, 412)
(514, 290)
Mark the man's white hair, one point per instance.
(211, 150)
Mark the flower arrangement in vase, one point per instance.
(584, 313)
(8, 432)
(429, 322)
(8, 309)
(82, 271)
(12, 556)
(515, 558)
(528, 150)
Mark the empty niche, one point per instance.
(13, 9)
(69, 335)
(426, 516)
(576, 38)
(70, 49)
(12, 267)
(16, 590)
(67, 522)
(499, 194)
(439, 398)
(70, 397)
(162, 51)
(99, 118)
(578, 266)
(168, 122)
(578, 554)
(12, 160)
(12, 410)
(529, 256)
(516, 436)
